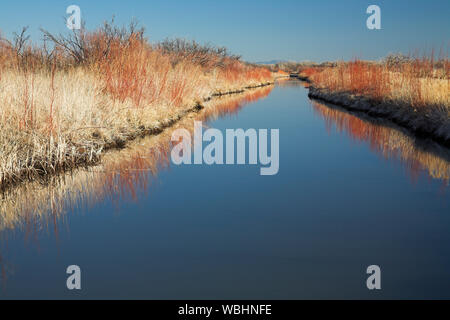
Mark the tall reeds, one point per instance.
(64, 102)
(414, 81)
(119, 175)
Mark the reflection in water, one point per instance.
(37, 206)
(291, 83)
(390, 141)
(34, 207)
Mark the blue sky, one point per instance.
(258, 30)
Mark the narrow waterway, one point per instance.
(351, 192)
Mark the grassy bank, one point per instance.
(413, 92)
(62, 104)
(118, 177)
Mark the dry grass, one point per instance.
(33, 207)
(63, 107)
(416, 82)
(413, 92)
(309, 72)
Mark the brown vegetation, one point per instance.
(117, 177)
(413, 92)
(416, 82)
(65, 102)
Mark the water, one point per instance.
(351, 192)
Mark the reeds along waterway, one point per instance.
(411, 91)
(97, 90)
(41, 205)
(390, 141)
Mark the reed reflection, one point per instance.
(121, 175)
(41, 206)
(389, 141)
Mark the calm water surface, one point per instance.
(351, 192)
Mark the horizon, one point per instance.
(305, 32)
